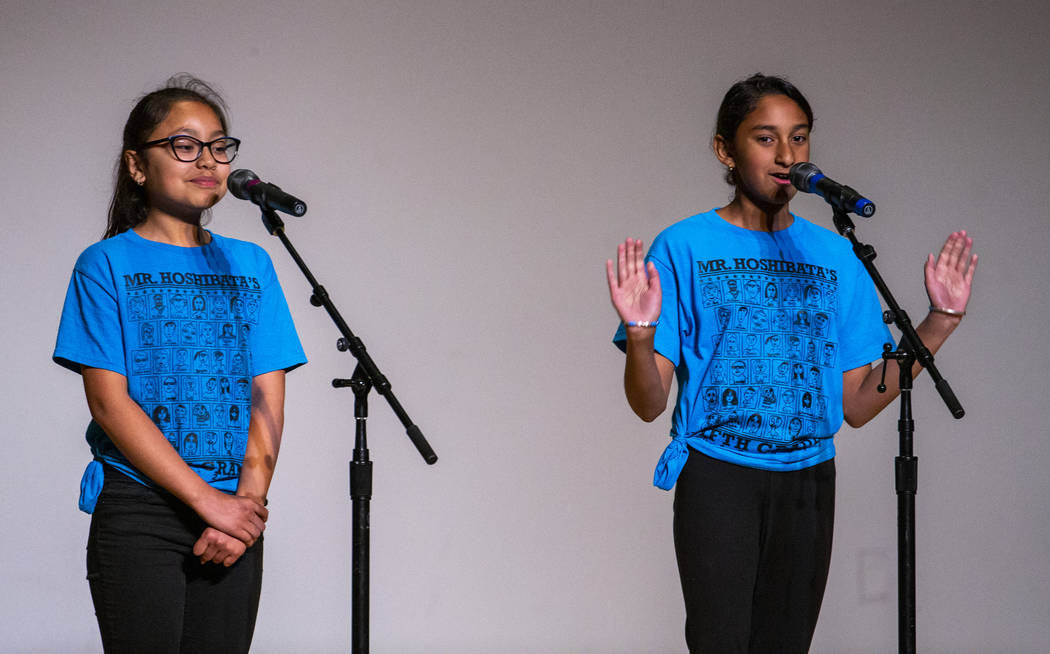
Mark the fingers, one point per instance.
(244, 518)
(217, 547)
(956, 253)
(631, 246)
(630, 261)
(956, 258)
(949, 276)
(252, 525)
(949, 254)
(654, 277)
(634, 284)
(621, 260)
(206, 548)
(965, 250)
(610, 274)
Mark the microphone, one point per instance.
(807, 178)
(246, 185)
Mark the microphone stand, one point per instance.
(909, 350)
(366, 376)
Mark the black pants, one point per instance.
(150, 593)
(753, 552)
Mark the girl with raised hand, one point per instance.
(754, 502)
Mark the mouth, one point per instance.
(205, 182)
(781, 178)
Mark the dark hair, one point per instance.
(742, 98)
(130, 204)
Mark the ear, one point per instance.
(136, 166)
(723, 151)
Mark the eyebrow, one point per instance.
(192, 132)
(773, 128)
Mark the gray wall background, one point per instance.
(469, 166)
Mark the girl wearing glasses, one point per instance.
(175, 546)
(754, 503)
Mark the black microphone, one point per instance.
(246, 185)
(807, 178)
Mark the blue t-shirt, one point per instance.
(760, 327)
(189, 327)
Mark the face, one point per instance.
(739, 369)
(770, 139)
(177, 188)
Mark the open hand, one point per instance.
(950, 275)
(634, 285)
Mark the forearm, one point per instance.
(264, 435)
(646, 377)
(863, 402)
(139, 440)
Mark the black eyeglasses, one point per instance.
(189, 149)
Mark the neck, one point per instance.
(744, 213)
(173, 231)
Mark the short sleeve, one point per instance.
(89, 332)
(275, 344)
(862, 331)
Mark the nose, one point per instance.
(210, 162)
(785, 155)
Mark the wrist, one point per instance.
(943, 322)
(200, 497)
(640, 334)
(258, 497)
(947, 311)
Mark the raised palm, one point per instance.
(950, 276)
(634, 285)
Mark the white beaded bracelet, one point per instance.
(643, 323)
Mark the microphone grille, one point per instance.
(801, 173)
(239, 181)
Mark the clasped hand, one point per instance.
(234, 524)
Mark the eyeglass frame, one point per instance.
(170, 140)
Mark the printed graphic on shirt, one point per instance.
(764, 390)
(191, 363)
